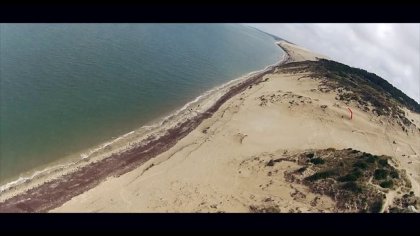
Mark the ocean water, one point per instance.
(67, 87)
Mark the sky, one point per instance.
(391, 51)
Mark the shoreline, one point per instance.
(246, 157)
(86, 173)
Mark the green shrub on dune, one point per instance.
(394, 174)
(380, 174)
(317, 161)
(376, 207)
(387, 184)
(352, 187)
(353, 176)
(321, 175)
(383, 162)
(371, 159)
(361, 164)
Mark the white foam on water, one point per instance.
(102, 146)
(36, 174)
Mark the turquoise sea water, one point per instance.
(66, 87)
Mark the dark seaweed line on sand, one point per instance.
(56, 192)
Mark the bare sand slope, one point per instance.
(222, 164)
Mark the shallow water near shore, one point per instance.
(68, 87)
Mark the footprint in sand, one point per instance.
(239, 137)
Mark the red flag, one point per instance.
(351, 113)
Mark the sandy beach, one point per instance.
(214, 158)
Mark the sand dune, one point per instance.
(221, 166)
